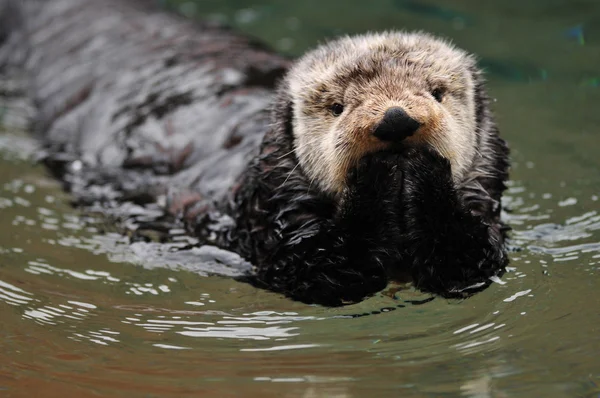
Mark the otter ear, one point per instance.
(282, 113)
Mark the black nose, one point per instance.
(396, 125)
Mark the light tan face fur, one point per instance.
(367, 75)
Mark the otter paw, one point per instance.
(428, 182)
(425, 161)
(456, 279)
(373, 189)
(378, 172)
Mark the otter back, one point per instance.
(132, 100)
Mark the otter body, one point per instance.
(378, 157)
(383, 159)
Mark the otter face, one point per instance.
(362, 94)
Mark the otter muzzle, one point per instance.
(396, 125)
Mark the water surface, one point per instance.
(85, 312)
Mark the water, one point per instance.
(86, 313)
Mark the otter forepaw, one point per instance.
(466, 271)
(378, 173)
(428, 187)
(426, 162)
(372, 197)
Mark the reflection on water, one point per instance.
(86, 311)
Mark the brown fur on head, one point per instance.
(430, 79)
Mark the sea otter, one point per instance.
(380, 156)
(383, 158)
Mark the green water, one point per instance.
(88, 314)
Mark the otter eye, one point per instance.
(438, 94)
(337, 109)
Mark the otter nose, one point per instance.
(396, 125)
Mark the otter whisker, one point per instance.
(289, 174)
(286, 154)
(296, 148)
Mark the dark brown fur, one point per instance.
(182, 114)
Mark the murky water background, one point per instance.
(85, 313)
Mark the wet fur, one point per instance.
(320, 239)
(369, 74)
(400, 211)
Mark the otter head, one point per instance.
(374, 92)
